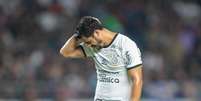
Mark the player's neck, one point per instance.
(109, 37)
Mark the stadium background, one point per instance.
(32, 32)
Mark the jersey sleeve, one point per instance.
(132, 54)
(88, 52)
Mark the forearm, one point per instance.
(136, 90)
(70, 45)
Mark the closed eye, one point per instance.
(87, 42)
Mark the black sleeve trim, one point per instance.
(134, 66)
(83, 51)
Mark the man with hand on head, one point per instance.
(117, 60)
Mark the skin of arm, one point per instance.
(136, 76)
(71, 48)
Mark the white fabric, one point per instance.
(112, 63)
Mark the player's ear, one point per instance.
(96, 33)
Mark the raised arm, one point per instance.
(72, 49)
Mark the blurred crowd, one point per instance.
(168, 33)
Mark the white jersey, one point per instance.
(112, 63)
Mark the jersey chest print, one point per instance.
(111, 57)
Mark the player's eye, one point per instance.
(87, 42)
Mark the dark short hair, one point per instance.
(87, 26)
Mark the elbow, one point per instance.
(63, 53)
(67, 54)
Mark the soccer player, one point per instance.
(117, 59)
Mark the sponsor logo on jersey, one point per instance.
(104, 71)
(109, 80)
(103, 77)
